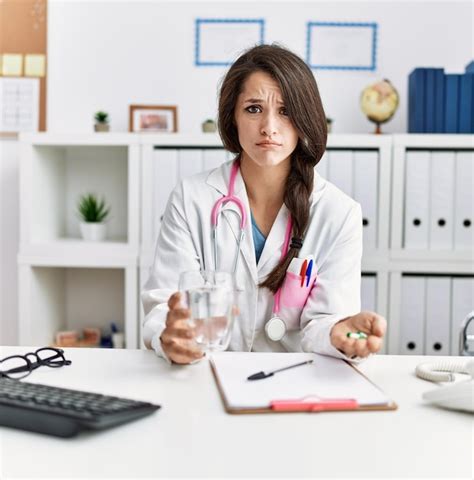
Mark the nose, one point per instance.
(269, 125)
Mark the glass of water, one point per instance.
(210, 295)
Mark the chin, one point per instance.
(267, 159)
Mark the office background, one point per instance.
(108, 55)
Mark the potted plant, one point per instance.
(209, 126)
(101, 121)
(93, 213)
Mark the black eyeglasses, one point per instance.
(20, 366)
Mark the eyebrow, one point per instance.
(260, 100)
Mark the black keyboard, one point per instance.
(63, 412)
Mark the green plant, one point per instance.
(101, 117)
(91, 209)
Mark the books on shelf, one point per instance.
(440, 102)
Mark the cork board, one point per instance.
(23, 29)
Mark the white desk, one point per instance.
(192, 436)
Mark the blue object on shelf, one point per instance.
(452, 83)
(470, 67)
(430, 101)
(439, 101)
(416, 100)
(466, 110)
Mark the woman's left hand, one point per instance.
(370, 323)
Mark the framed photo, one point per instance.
(153, 118)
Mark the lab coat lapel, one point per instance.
(219, 179)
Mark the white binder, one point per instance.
(442, 200)
(438, 315)
(366, 193)
(412, 315)
(368, 293)
(417, 180)
(464, 202)
(340, 170)
(190, 162)
(462, 304)
(165, 174)
(213, 158)
(322, 166)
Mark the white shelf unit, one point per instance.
(51, 256)
(432, 242)
(64, 282)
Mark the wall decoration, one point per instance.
(153, 118)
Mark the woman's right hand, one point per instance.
(177, 339)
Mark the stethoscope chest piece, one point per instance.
(275, 329)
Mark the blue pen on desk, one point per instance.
(308, 271)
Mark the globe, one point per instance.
(379, 102)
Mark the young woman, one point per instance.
(272, 119)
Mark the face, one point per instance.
(266, 134)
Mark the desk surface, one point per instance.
(192, 436)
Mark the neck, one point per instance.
(265, 185)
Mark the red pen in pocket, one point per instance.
(303, 272)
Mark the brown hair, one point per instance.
(306, 113)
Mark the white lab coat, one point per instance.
(334, 237)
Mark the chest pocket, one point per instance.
(295, 293)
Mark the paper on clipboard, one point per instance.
(325, 378)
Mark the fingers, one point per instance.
(174, 301)
(179, 350)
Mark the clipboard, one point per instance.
(284, 392)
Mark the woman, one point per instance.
(271, 117)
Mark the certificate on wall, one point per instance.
(221, 41)
(19, 104)
(342, 46)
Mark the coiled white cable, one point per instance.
(444, 370)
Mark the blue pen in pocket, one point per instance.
(308, 271)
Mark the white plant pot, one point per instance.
(93, 232)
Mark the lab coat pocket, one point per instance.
(293, 294)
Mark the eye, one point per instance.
(283, 111)
(253, 109)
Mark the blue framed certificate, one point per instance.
(220, 41)
(341, 46)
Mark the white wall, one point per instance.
(109, 54)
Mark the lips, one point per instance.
(268, 144)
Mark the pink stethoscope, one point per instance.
(275, 328)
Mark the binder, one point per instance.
(368, 293)
(213, 158)
(328, 384)
(366, 193)
(165, 177)
(322, 166)
(466, 109)
(412, 315)
(416, 100)
(452, 84)
(438, 315)
(461, 305)
(464, 201)
(430, 100)
(442, 200)
(439, 100)
(340, 170)
(417, 180)
(190, 162)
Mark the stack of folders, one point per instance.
(327, 384)
(439, 102)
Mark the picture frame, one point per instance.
(153, 118)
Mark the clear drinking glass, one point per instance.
(210, 295)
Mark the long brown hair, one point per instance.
(306, 113)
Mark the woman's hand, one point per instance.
(177, 339)
(370, 323)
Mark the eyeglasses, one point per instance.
(20, 366)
